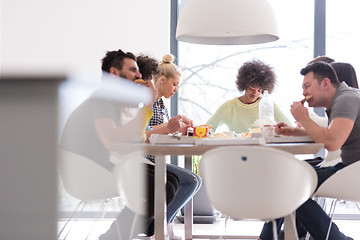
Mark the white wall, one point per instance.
(42, 36)
(27, 152)
(48, 37)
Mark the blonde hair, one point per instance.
(167, 67)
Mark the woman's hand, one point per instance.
(174, 124)
(183, 128)
(187, 120)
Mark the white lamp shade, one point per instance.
(227, 22)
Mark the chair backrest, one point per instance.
(84, 179)
(344, 184)
(256, 182)
(331, 159)
(132, 176)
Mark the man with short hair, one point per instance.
(342, 105)
(121, 64)
(96, 124)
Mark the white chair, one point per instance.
(131, 177)
(343, 185)
(85, 180)
(331, 159)
(256, 182)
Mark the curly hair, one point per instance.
(257, 74)
(148, 66)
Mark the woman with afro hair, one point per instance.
(239, 113)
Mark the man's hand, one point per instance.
(284, 129)
(299, 112)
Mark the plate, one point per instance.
(230, 141)
(170, 139)
(289, 139)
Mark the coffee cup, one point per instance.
(229, 133)
(268, 131)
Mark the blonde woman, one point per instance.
(166, 81)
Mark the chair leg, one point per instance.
(80, 204)
(322, 202)
(332, 211)
(226, 225)
(275, 235)
(133, 232)
(290, 230)
(102, 209)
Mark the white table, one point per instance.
(188, 150)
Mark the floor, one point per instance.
(81, 229)
(253, 228)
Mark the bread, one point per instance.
(306, 99)
(246, 135)
(140, 81)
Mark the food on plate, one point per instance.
(230, 133)
(140, 81)
(307, 97)
(255, 130)
(246, 135)
(220, 135)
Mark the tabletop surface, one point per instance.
(190, 149)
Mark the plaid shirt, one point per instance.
(159, 112)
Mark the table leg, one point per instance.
(188, 209)
(160, 198)
(290, 227)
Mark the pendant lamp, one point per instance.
(227, 22)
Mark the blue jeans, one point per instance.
(189, 185)
(311, 215)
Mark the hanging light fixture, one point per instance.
(227, 22)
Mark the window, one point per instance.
(342, 44)
(343, 31)
(209, 72)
